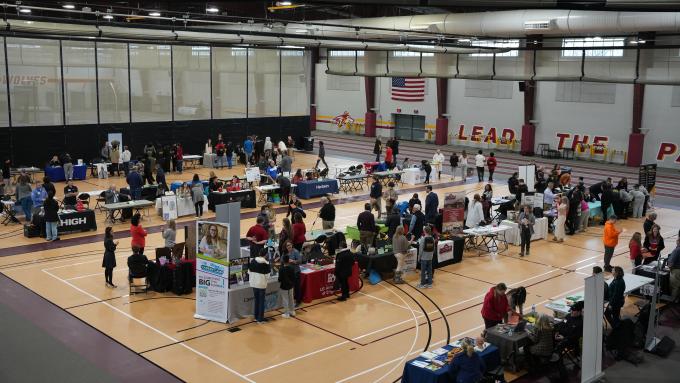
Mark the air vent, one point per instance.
(539, 25)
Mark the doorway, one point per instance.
(409, 126)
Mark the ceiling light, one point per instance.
(154, 13)
(283, 3)
(108, 17)
(638, 42)
(24, 10)
(212, 9)
(69, 6)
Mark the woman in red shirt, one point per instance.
(635, 246)
(299, 231)
(495, 307)
(138, 233)
(389, 157)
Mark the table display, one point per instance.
(387, 176)
(266, 192)
(512, 234)
(352, 232)
(241, 300)
(246, 197)
(449, 252)
(56, 173)
(485, 239)
(318, 282)
(650, 271)
(508, 341)
(15, 173)
(434, 366)
(178, 184)
(185, 206)
(352, 183)
(382, 263)
(70, 221)
(191, 159)
(114, 210)
(369, 167)
(412, 176)
(209, 160)
(317, 188)
(149, 192)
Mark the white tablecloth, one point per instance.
(185, 206)
(412, 176)
(540, 231)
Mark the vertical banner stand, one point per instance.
(591, 365)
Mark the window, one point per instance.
(411, 54)
(586, 92)
(236, 51)
(229, 82)
(4, 114)
(150, 79)
(294, 90)
(593, 42)
(191, 80)
(79, 82)
(496, 44)
(344, 83)
(263, 83)
(334, 53)
(114, 92)
(291, 53)
(488, 89)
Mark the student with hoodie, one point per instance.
(258, 269)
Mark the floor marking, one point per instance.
(297, 358)
(93, 275)
(388, 302)
(151, 327)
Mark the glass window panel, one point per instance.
(496, 44)
(114, 92)
(263, 83)
(229, 82)
(35, 81)
(150, 79)
(191, 79)
(4, 112)
(593, 42)
(80, 90)
(294, 90)
(334, 53)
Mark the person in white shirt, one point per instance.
(475, 213)
(480, 161)
(268, 145)
(548, 197)
(638, 201)
(125, 158)
(208, 147)
(438, 161)
(463, 164)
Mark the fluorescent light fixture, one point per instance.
(68, 6)
(284, 3)
(24, 10)
(464, 40)
(638, 41)
(598, 38)
(212, 9)
(154, 13)
(107, 17)
(291, 47)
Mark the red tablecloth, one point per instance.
(368, 166)
(319, 284)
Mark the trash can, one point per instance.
(308, 144)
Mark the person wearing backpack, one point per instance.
(426, 248)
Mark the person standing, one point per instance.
(248, 147)
(654, 244)
(480, 161)
(617, 288)
(426, 248)
(674, 265)
(179, 158)
(296, 260)
(648, 224)
(431, 205)
(22, 191)
(137, 233)
(377, 149)
(607, 200)
(7, 173)
(258, 235)
(229, 153)
(38, 196)
(495, 308)
(170, 234)
(394, 144)
(376, 195)
(427, 168)
(635, 247)
(526, 230)
(400, 246)
(105, 152)
(390, 196)
(208, 149)
(67, 162)
(366, 226)
(287, 281)
(160, 179)
(258, 269)
(219, 155)
(463, 162)
(491, 163)
(453, 161)
(322, 156)
(327, 214)
(109, 261)
(51, 208)
(610, 238)
(438, 162)
(638, 201)
(299, 231)
(389, 155)
(585, 215)
(344, 263)
(393, 221)
(115, 160)
(415, 227)
(125, 158)
(197, 196)
(475, 214)
(561, 221)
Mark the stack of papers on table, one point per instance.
(420, 363)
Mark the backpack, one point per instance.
(428, 244)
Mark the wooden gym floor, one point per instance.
(366, 339)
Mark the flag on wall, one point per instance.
(408, 89)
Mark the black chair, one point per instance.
(139, 271)
(163, 252)
(84, 198)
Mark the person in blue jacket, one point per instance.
(467, 366)
(248, 148)
(135, 182)
(38, 195)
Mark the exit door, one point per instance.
(409, 126)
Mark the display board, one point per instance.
(533, 199)
(116, 137)
(647, 176)
(212, 271)
(444, 251)
(169, 207)
(252, 174)
(528, 174)
(453, 214)
(410, 261)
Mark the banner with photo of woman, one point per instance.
(212, 271)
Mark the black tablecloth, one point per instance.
(246, 197)
(150, 192)
(385, 263)
(70, 222)
(664, 278)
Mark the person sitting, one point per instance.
(467, 366)
(513, 181)
(272, 171)
(70, 194)
(111, 195)
(54, 162)
(297, 178)
(571, 331)
(137, 264)
(542, 338)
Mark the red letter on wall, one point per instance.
(666, 148)
(461, 133)
(562, 137)
(508, 135)
(491, 136)
(476, 131)
(577, 141)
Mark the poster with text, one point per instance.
(453, 220)
(169, 207)
(212, 271)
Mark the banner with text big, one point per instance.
(212, 271)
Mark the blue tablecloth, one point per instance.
(596, 209)
(413, 374)
(311, 189)
(56, 174)
(177, 184)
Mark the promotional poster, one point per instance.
(212, 271)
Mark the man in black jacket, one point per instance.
(392, 222)
(327, 213)
(607, 200)
(394, 144)
(376, 195)
(366, 226)
(344, 261)
(431, 204)
(287, 282)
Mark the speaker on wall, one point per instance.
(522, 86)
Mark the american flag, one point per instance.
(408, 89)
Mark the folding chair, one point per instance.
(139, 271)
